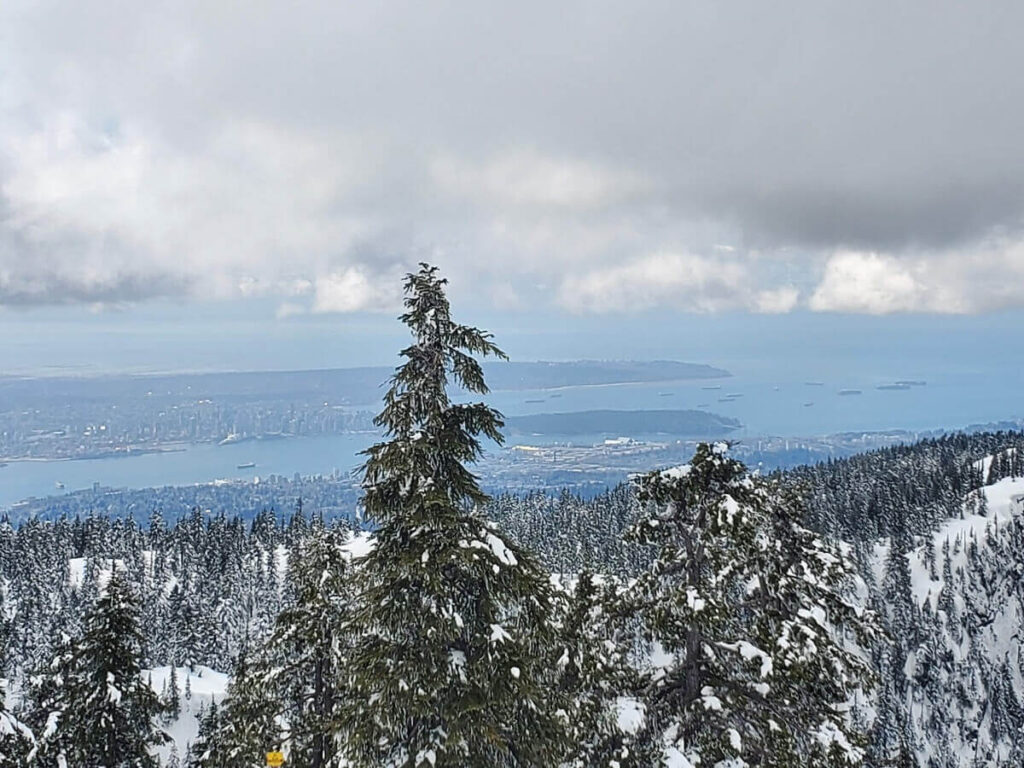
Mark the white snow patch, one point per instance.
(498, 634)
(630, 714)
(501, 551)
(359, 545)
(676, 759)
(675, 473)
(1000, 498)
(205, 684)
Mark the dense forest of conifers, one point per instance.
(227, 576)
(209, 586)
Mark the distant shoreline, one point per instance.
(102, 456)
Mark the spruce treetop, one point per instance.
(430, 439)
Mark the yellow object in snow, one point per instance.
(275, 759)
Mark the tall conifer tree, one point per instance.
(743, 608)
(454, 653)
(110, 711)
(246, 726)
(16, 738)
(308, 650)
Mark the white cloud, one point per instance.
(777, 300)
(253, 209)
(289, 309)
(504, 296)
(190, 149)
(966, 280)
(679, 281)
(870, 283)
(353, 290)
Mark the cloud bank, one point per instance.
(857, 157)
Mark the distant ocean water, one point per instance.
(769, 398)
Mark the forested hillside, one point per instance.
(211, 586)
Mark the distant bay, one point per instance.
(764, 400)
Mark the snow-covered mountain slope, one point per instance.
(953, 672)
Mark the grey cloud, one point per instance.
(894, 219)
(569, 138)
(51, 289)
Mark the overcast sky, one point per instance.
(578, 157)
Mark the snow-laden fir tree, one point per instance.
(171, 696)
(751, 658)
(201, 750)
(16, 738)
(454, 658)
(307, 654)
(47, 702)
(246, 726)
(110, 711)
(593, 674)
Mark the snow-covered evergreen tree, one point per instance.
(47, 702)
(16, 738)
(747, 622)
(454, 654)
(246, 726)
(201, 751)
(110, 712)
(593, 675)
(172, 696)
(308, 649)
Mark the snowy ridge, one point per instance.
(958, 694)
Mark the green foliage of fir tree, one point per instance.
(246, 726)
(593, 674)
(16, 738)
(47, 701)
(172, 697)
(308, 651)
(454, 654)
(749, 613)
(200, 752)
(109, 710)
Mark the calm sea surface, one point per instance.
(766, 396)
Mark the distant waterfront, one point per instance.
(765, 403)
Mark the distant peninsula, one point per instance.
(623, 423)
